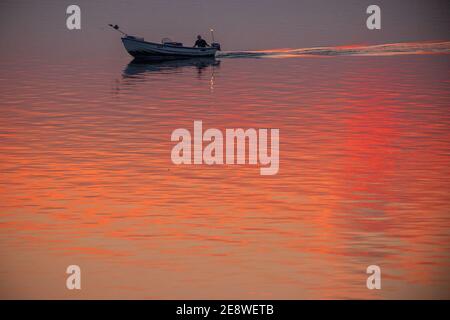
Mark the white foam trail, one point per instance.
(442, 47)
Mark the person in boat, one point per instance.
(200, 43)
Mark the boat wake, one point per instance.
(392, 49)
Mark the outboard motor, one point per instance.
(216, 45)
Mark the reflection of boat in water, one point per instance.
(137, 67)
(138, 71)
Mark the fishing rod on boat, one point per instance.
(116, 27)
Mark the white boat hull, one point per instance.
(148, 50)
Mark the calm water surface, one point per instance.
(87, 179)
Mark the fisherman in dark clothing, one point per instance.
(201, 43)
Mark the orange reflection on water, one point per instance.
(87, 179)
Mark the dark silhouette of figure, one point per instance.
(201, 43)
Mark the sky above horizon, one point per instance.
(40, 26)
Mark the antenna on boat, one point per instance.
(212, 34)
(116, 27)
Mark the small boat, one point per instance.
(141, 49)
(167, 49)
